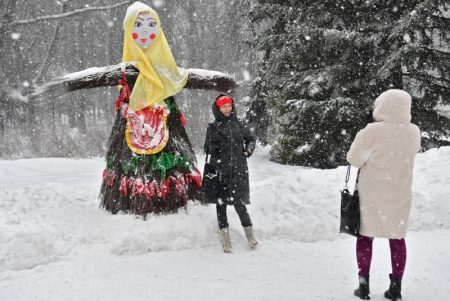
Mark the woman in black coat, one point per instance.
(229, 143)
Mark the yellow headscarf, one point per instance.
(159, 77)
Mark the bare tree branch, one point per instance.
(434, 49)
(429, 78)
(68, 14)
(110, 75)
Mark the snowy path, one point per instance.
(278, 270)
(56, 245)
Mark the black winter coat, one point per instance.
(227, 139)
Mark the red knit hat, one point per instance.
(221, 100)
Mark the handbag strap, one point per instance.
(347, 177)
(357, 180)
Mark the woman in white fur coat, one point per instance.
(385, 151)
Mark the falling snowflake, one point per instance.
(15, 35)
(407, 38)
(246, 75)
(158, 3)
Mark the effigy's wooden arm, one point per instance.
(110, 76)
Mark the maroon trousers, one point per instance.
(364, 256)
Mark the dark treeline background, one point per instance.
(309, 70)
(206, 34)
(322, 64)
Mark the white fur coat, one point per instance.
(385, 151)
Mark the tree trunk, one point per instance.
(80, 97)
(81, 118)
(2, 116)
(7, 9)
(108, 102)
(46, 64)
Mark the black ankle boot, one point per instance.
(395, 290)
(363, 290)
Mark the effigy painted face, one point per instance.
(145, 30)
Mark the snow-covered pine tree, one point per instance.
(424, 55)
(322, 63)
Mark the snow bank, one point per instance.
(49, 210)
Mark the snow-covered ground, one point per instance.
(55, 244)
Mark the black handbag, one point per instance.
(350, 210)
(210, 182)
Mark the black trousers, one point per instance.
(241, 211)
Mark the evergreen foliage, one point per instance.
(322, 63)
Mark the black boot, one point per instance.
(363, 290)
(395, 290)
